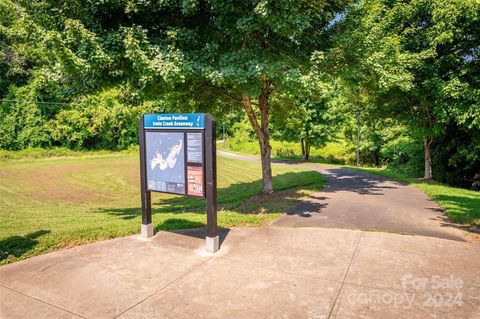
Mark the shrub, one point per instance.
(404, 154)
(100, 121)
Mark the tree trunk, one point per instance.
(266, 152)
(427, 142)
(307, 150)
(358, 141)
(302, 143)
(262, 133)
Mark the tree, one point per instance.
(222, 55)
(207, 55)
(198, 55)
(418, 61)
(310, 122)
(250, 53)
(43, 62)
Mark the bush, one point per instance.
(404, 154)
(22, 121)
(104, 120)
(456, 157)
(36, 152)
(243, 140)
(100, 121)
(334, 152)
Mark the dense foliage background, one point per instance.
(405, 74)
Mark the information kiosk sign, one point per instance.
(177, 155)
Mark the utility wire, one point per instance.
(36, 102)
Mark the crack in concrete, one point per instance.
(186, 273)
(345, 276)
(42, 301)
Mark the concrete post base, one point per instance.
(147, 231)
(212, 244)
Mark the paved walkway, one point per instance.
(275, 272)
(358, 200)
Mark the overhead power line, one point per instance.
(36, 102)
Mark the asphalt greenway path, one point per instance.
(358, 200)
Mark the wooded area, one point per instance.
(402, 75)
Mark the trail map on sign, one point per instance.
(165, 162)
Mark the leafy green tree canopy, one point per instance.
(417, 61)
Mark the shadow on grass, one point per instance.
(18, 245)
(462, 209)
(242, 198)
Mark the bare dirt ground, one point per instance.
(57, 183)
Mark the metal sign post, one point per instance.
(147, 228)
(213, 242)
(178, 156)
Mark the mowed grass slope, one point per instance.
(47, 204)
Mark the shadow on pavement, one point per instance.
(178, 223)
(341, 179)
(201, 233)
(307, 208)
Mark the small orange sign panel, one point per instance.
(195, 180)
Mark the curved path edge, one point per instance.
(354, 199)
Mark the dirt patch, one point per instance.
(131, 173)
(280, 201)
(55, 183)
(472, 234)
(51, 183)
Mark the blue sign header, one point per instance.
(174, 121)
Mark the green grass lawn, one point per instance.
(460, 205)
(52, 203)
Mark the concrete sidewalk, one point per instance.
(258, 273)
